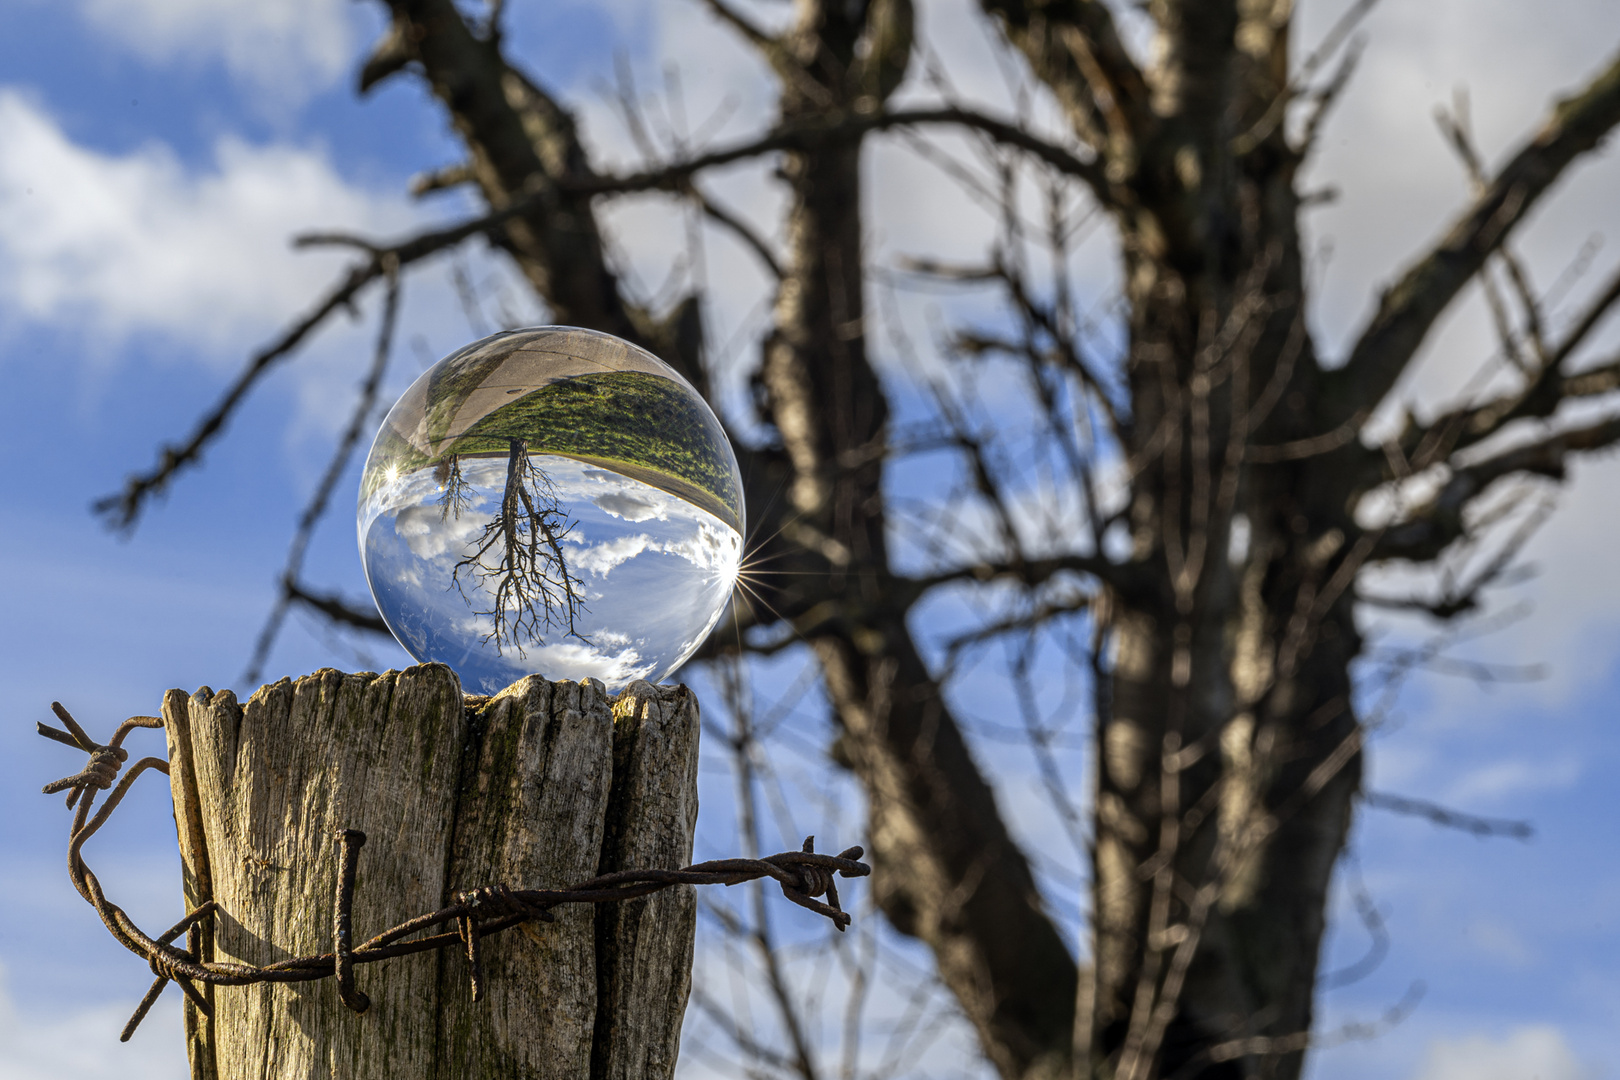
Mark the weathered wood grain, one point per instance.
(541, 785)
(196, 880)
(644, 947)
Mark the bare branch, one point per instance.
(1378, 933)
(1067, 349)
(1321, 104)
(743, 1041)
(323, 491)
(122, 510)
(1275, 1045)
(1542, 393)
(1039, 736)
(834, 128)
(1074, 47)
(740, 228)
(1042, 613)
(1408, 310)
(1324, 98)
(451, 176)
(1429, 529)
(743, 750)
(1030, 572)
(1459, 598)
(1481, 827)
(742, 24)
(388, 57)
(525, 146)
(1457, 128)
(339, 610)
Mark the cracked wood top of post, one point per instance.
(453, 793)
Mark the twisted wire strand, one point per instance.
(804, 876)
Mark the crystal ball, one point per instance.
(551, 501)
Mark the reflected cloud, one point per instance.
(431, 538)
(627, 506)
(581, 661)
(661, 571)
(602, 558)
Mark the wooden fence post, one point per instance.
(543, 785)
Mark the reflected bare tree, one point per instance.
(517, 561)
(457, 493)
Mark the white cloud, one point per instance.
(1537, 1052)
(119, 244)
(601, 558)
(1493, 783)
(1500, 941)
(714, 547)
(83, 1045)
(285, 48)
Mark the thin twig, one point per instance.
(122, 510)
(312, 514)
(1445, 817)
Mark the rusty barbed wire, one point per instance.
(476, 914)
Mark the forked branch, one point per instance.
(1408, 310)
(1429, 529)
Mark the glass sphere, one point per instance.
(551, 501)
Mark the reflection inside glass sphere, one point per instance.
(552, 501)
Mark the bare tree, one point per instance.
(516, 563)
(1185, 516)
(457, 492)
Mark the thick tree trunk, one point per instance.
(542, 785)
(1227, 744)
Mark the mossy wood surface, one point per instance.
(543, 785)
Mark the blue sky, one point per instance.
(155, 157)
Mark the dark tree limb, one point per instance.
(742, 24)
(1429, 529)
(451, 176)
(1075, 49)
(1028, 572)
(1409, 309)
(1542, 393)
(339, 610)
(526, 157)
(833, 129)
